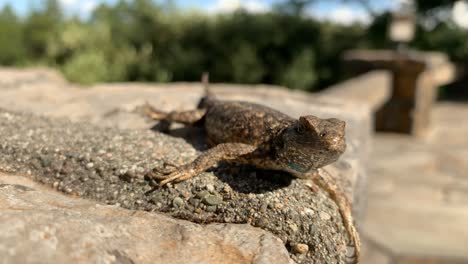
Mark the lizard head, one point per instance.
(311, 143)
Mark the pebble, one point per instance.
(227, 188)
(324, 216)
(293, 227)
(279, 206)
(262, 222)
(300, 248)
(211, 208)
(89, 165)
(312, 229)
(210, 188)
(212, 199)
(203, 194)
(178, 202)
(194, 201)
(309, 211)
(46, 162)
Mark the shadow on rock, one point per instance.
(194, 135)
(248, 179)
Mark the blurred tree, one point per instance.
(427, 5)
(300, 74)
(12, 49)
(40, 27)
(86, 67)
(246, 68)
(145, 40)
(446, 38)
(292, 7)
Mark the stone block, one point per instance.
(41, 226)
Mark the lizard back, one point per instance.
(243, 122)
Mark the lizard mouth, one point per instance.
(337, 145)
(298, 167)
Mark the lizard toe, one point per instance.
(171, 178)
(179, 176)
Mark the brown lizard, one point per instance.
(249, 133)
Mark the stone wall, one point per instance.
(86, 142)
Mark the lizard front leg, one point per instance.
(184, 117)
(326, 182)
(224, 151)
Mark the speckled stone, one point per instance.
(41, 226)
(121, 157)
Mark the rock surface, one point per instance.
(105, 153)
(110, 105)
(40, 226)
(418, 194)
(109, 165)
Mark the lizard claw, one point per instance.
(171, 172)
(178, 176)
(167, 168)
(351, 256)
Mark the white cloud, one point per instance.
(68, 2)
(82, 8)
(343, 15)
(255, 6)
(88, 6)
(460, 13)
(226, 6)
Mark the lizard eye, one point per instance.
(300, 129)
(323, 134)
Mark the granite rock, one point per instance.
(104, 152)
(41, 226)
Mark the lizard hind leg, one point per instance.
(184, 117)
(166, 169)
(326, 182)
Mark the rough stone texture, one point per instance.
(107, 162)
(419, 191)
(109, 105)
(41, 226)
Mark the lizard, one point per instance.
(249, 133)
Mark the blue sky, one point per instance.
(336, 10)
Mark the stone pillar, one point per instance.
(415, 78)
(399, 114)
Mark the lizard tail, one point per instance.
(325, 181)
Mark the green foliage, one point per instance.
(300, 74)
(141, 40)
(246, 68)
(427, 5)
(292, 7)
(446, 38)
(39, 29)
(11, 38)
(86, 67)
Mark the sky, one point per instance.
(334, 10)
(339, 11)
